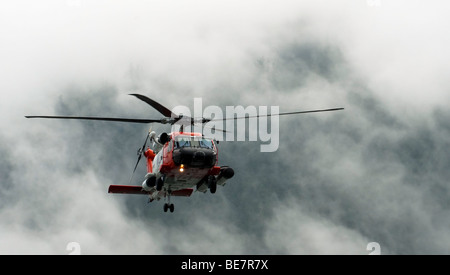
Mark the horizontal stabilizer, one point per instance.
(183, 192)
(130, 189)
(127, 189)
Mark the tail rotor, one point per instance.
(140, 152)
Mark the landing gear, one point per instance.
(212, 184)
(168, 205)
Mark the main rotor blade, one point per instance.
(160, 108)
(213, 128)
(131, 120)
(282, 114)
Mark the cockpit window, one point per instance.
(183, 142)
(206, 143)
(193, 141)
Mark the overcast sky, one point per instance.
(376, 172)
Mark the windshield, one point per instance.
(189, 141)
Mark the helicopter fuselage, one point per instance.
(184, 162)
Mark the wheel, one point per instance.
(150, 182)
(212, 184)
(166, 207)
(159, 184)
(213, 188)
(172, 208)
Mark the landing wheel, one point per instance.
(213, 188)
(212, 184)
(170, 207)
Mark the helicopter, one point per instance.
(179, 161)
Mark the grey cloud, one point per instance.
(294, 63)
(338, 181)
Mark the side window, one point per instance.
(206, 143)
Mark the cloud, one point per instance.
(292, 231)
(374, 172)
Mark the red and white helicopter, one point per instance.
(179, 161)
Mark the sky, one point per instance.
(375, 172)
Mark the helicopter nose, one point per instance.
(194, 157)
(199, 156)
